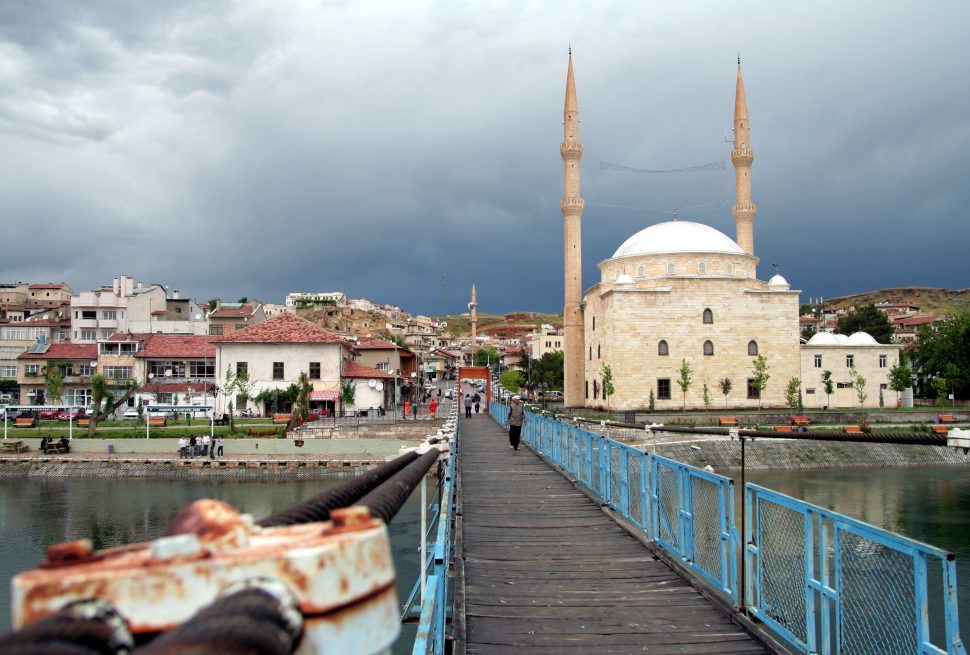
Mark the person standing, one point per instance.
(212, 447)
(468, 405)
(516, 420)
(478, 402)
(183, 446)
(433, 407)
(222, 442)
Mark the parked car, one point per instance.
(131, 412)
(67, 414)
(48, 414)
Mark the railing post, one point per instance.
(624, 482)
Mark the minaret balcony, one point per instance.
(744, 208)
(571, 149)
(573, 205)
(742, 156)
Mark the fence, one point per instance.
(824, 582)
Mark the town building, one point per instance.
(75, 363)
(845, 357)
(304, 299)
(229, 317)
(96, 315)
(547, 339)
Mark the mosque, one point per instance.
(674, 291)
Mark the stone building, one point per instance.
(842, 355)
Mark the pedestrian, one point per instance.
(205, 445)
(193, 444)
(516, 420)
(212, 447)
(183, 445)
(433, 407)
(407, 408)
(468, 405)
(478, 402)
(222, 442)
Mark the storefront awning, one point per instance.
(323, 395)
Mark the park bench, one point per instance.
(940, 429)
(160, 421)
(25, 422)
(801, 420)
(727, 420)
(83, 422)
(281, 418)
(783, 428)
(14, 446)
(55, 449)
(947, 418)
(853, 429)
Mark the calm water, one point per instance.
(37, 513)
(928, 504)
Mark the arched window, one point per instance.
(599, 353)
(702, 268)
(708, 317)
(641, 270)
(671, 269)
(708, 348)
(662, 348)
(590, 353)
(753, 348)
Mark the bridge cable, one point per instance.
(385, 501)
(84, 627)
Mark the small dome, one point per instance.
(862, 339)
(823, 339)
(677, 236)
(778, 281)
(624, 278)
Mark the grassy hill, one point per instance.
(939, 302)
(513, 322)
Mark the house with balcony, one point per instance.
(388, 357)
(173, 369)
(229, 317)
(96, 315)
(76, 363)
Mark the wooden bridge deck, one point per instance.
(541, 568)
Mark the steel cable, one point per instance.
(385, 501)
(86, 627)
(343, 495)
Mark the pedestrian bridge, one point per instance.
(580, 544)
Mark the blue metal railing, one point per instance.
(824, 582)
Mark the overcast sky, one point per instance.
(255, 148)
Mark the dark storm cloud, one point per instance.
(230, 149)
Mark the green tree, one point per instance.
(828, 385)
(512, 380)
(859, 385)
(227, 390)
(651, 402)
(107, 396)
(759, 382)
(808, 332)
(212, 303)
(348, 393)
(867, 319)
(54, 383)
(707, 398)
(941, 387)
(900, 378)
(726, 385)
(487, 356)
(685, 380)
(242, 300)
(942, 346)
(793, 394)
(608, 388)
(301, 406)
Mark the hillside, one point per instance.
(937, 302)
(505, 325)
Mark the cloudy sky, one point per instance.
(255, 148)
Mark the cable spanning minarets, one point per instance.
(572, 211)
(741, 156)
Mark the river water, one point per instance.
(930, 504)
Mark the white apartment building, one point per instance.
(292, 299)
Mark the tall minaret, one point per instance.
(473, 308)
(572, 211)
(742, 156)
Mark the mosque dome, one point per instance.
(624, 278)
(678, 236)
(862, 339)
(824, 339)
(778, 281)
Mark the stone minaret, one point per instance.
(742, 156)
(572, 211)
(473, 308)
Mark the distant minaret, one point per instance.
(572, 211)
(473, 308)
(742, 156)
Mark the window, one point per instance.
(202, 369)
(241, 401)
(641, 270)
(594, 322)
(587, 389)
(730, 269)
(77, 396)
(843, 385)
(31, 369)
(215, 330)
(882, 361)
(663, 389)
(383, 366)
(106, 334)
(242, 369)
(89, 314)
(314, 370)
(883, 386)
(277, 370)
(109, 314)
(753, 348)
(240, 326)
(590, 353)
(708, 317)
(708, 348)
(85, 370)
(8, 371)
(596, 389)
(818, 361)
(753, 392)
(89, 335)
(662, 349)
(850, 361)
(166, 369)
(809, 392)
(117, 372)
(702, 268)
(599, 353)
(671, 269)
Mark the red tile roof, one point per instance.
(917, 320)
(234, 312)
(87, 351)
(375, 343)
(177, 345)
(285, 328)
(355, 370)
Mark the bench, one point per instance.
(940, 429)
(26, 422)
(783, 428)
(947, 418)
(14, 446)
(55, 449)
(83, 422)
(852, 429)
(801, 420)
(281, 418)
(727, 420)
(158, 421)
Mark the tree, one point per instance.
(244, 386)
(301, 406)
(941, 344)
(685, 379)
(940, 386)
(859, 384)
(707, 398)
(487, 356)
(227, 390)
(726, 386)
(761, 376)
(867, 319)
(651, 402)
(348, 393)
(512, 380)
(808, 332)
(608, 388)
(900, 378)
(212, 304)
(793, 394)
(243, 300)
(54, 383)
(829, 387)
(107, 396)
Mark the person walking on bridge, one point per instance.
(468, 405)
(516, 420)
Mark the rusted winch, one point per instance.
(340, 572)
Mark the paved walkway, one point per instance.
(546, 571)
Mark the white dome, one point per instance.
(862, 339)
(677, 236)
(823, 339)
(778, 281)
(624, 278)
